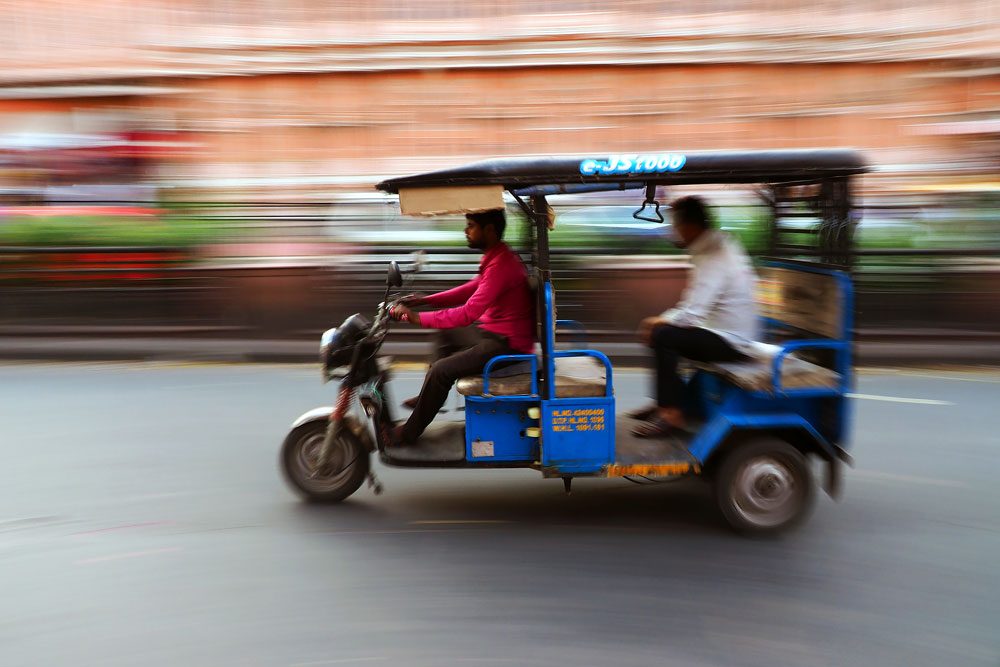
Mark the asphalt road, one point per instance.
(143, 521)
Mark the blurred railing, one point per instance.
(109, 287)
(291, 269)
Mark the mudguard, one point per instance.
(315, 414)
(704, 446)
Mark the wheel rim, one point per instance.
(305, 458)
(766, 492)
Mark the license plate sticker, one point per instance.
(482, 448)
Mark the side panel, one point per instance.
(578, 435)
(837, 420)
(716, 430)
(495, 430)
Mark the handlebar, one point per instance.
(380, 326)
(391, 309)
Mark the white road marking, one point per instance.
(131, 554)
(896, 399)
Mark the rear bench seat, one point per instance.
(756, 374)
(808, 302)
(576, 377)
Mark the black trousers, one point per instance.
(670, 343)
(460, 352)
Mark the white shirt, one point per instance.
(720, 292)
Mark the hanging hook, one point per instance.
(649, 201)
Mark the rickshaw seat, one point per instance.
(806, 301)
(576, 377)
(756, 373)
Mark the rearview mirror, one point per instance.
(395, 278)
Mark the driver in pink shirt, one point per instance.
(490, 315)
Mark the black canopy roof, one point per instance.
(667, 168)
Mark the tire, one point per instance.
(350, 461)
(765, 487)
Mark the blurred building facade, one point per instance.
(301, 98)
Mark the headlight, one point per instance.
(336, 348)
(324, 345)
(337, 345)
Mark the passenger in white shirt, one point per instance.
(715, 320)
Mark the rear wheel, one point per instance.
(344, 474)
(765, 487)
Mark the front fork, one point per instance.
(375, 402)
(333, 427)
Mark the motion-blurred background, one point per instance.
(206, 168)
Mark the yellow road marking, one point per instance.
(956, 378)
(409, 366)
(397, 531)
(457, 521)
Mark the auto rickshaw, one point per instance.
(754, 425)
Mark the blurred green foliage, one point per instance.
(94, 230)
(589, 228)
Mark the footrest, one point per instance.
(440, 443)
(665, 456)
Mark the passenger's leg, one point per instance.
(442, 375)
(670, 343)
(669, 385)
(705, 345)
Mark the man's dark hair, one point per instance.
(691, 210)
(495, 217)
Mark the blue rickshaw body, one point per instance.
(579, 434)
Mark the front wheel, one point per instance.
(765, 487)
(344, 474)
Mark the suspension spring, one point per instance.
(343, 403)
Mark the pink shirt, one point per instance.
(499, 299)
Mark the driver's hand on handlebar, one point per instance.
(412, 300)
(402, 313)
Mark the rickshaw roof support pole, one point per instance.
(539, 211)
(530, 228)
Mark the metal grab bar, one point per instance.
(837, 346)
(597, 355)
(507, 357)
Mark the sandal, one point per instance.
(642, 414)
(654, 427)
